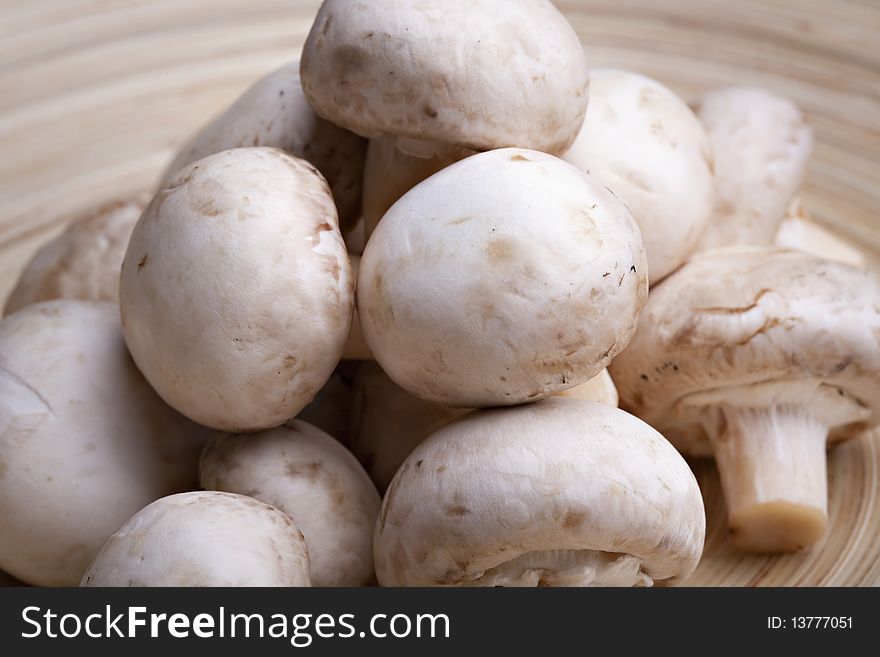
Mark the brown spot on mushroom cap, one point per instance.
(573, 519)
(503, 249)
(307, 469)
(456, 510)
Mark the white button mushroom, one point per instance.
(565, 492)
(390, 173)
(799, 231)
(314, 480)
(84, 441)
(476, 73)
(82, 262)
(759, 356)
(388, 423)
(645, 144)
(502, 279)
(203, 539)
(236, 289)
(274, 112)
(761, 144)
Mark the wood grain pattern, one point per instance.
(96, 94)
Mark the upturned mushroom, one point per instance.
(646, 145)
(761, 357)
(761, 144)
(388, 423)
(504, 278)
(236, 289)
(312, 478)
(274, 112)
(84, 440)
(480, 74)
(82, 262)
(203, 539)
(564, 492)
(799, 231)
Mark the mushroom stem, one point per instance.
(426, 149)
(773, 472)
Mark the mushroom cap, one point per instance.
(390, 173)
(205, 538)
(646, 145)
(799, 231)
(274, 112)
(84, 440)
(504, 278)
(388, 423)
(560, 475)
(754, 326)
(82, 262)
(312, 478)
(761, 144)
(236, 289)
(476, 73)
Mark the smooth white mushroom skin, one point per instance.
(502, 279)
(481, 74)
(799, 231)
(312, 478)
(646, 145)
(565, 492)
(356, 347)
(236, 289)
(82, 262)
(203, 539)
(274, 112)
(758, 355)
(390, 173)
(761, 144)
(84, 441)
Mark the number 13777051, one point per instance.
(810, 622)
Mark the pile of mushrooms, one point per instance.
(372, 325)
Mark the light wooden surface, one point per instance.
(95, 95)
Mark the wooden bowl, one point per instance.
(96, 94)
